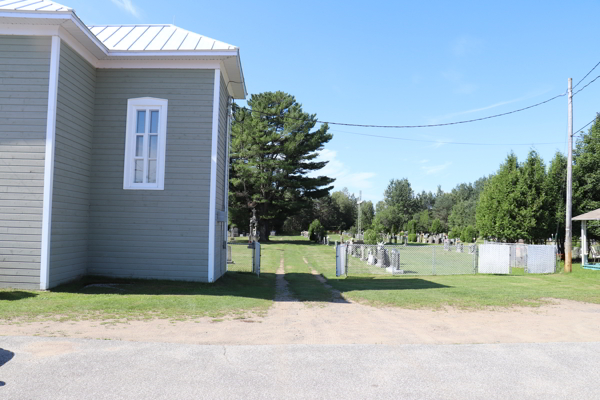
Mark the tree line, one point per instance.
(274, 145)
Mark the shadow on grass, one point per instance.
(306, 288)
(235, 284)
(353, 283)
(15, 295)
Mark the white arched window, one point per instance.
(145, 144)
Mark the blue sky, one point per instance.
(404, 63)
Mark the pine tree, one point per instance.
(273, 149)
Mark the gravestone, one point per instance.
(459, 248)
(383, 259)
(395, 259)
(229, 259)
(371, 260)
(363, 253)
(236, 232)
(472, 248)
(446, 245)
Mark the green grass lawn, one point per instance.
(240, 291)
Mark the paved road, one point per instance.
(55, 368)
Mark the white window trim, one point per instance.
(132, 106)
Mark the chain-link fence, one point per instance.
(410, 259)
(243, 257)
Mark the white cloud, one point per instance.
(128, 6)
(424, 161)
(434, 169)
(354, 181)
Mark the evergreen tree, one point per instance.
(532, 200)
(586, 176)
(556, 183)
(273, 149)
(497, 211)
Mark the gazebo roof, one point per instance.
(589, 216)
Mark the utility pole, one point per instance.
(569, 205)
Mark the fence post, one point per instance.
(475, 259)
(256, 258)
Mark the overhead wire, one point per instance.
(445, 142)
(588, 84)
(586, 75)
(583, 127)
(413, 126)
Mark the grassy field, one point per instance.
(240, 292)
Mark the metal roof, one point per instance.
(32, 5)
(154, 38)
(589, 216)
(108, 43)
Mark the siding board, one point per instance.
(24, 77)
(144, 233)
(72, 168)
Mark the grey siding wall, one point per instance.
(72, 167)
(24, 71)
(152, 233)
(220, 252)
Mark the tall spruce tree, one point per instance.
(273, 150)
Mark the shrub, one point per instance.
(412, 237)
(316, 231)
(370, 237)
(453, 234)
(468, 234)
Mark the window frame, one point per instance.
(147, 104)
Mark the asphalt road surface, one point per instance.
(61, 368)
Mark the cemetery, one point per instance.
(450, 258)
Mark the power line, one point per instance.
(442, 142)
(417, 126)
(589, 83)
(586, 75)
(585, 126)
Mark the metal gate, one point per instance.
(243, 257)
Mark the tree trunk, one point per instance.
(263, 228)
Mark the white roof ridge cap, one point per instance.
(43, 4)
